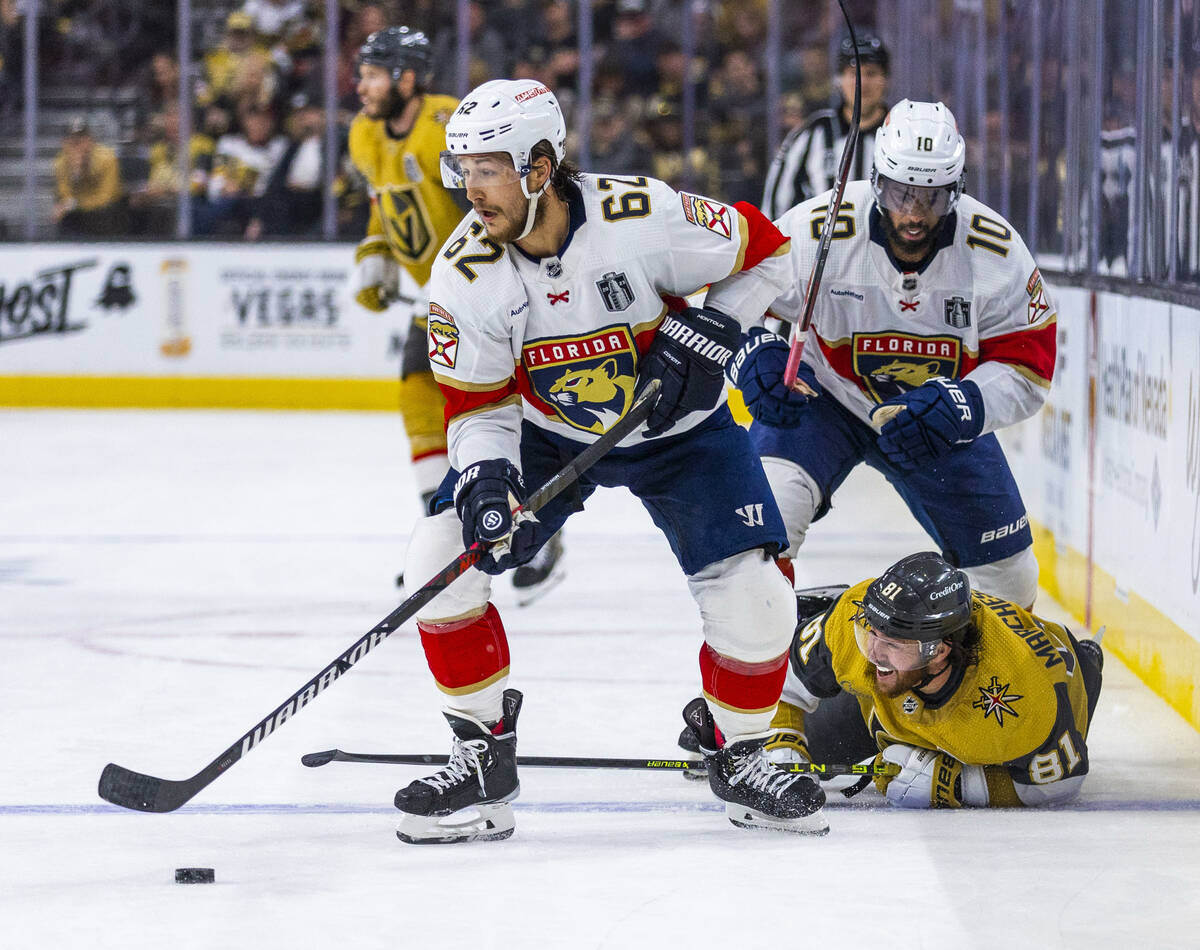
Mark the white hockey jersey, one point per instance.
(979, 309)
(558, 340)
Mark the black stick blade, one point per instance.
(316, 759)
(140, 792)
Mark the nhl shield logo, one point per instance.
(615, 290)
(958, 312)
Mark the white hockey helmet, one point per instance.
(503, 115)
(919, 146)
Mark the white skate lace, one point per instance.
(464, 759)
(756, 770)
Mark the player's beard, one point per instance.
(511, 221)
(915, 248)
(899, 682)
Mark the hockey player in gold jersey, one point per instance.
(977, 700)
(395, 143)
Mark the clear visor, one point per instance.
(890, 653)
(493, 170)
(901, 198)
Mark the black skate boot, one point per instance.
(543, 572)
(468, 799)
(757, 793)
(699, 737)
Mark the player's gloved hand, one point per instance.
(688, 355)
(484, 497)
(757, 370)
(376, 275)
(936, 416)
(930, 779)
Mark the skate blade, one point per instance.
(482, 823)
(527, 595)
(814, 824)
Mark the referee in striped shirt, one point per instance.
(807, 161)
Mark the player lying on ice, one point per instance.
(547, 305)
(979, 702)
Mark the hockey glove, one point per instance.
(484, 497)
(376, 275)
(930, 779)
(757, 370)
(688, 354)
(936, 417)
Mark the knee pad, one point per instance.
(797, 496)
(1014, 578)
(747, 607)
(435, 542)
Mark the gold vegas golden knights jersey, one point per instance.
(1022, 711)
(409, 207)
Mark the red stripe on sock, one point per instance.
(465, 652)
(742, 686)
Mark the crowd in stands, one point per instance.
(258, 110)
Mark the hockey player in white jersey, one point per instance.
(932, 314)
(551, 300)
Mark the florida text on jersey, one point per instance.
(562, 336)
(410, 209)
(979, 306)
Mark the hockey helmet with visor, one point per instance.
(919, 159)
(397, 48)
(910, 609)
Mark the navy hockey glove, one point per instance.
(688, 354)
(484, 497)
(936, 417)
(757, 370)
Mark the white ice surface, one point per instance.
(168, 578)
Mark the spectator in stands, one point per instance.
(154, 205)
(242, 165)
(291, 203)
(739, 123)
(615, 147)
(635, 46)
(90, 198)
(271, 18)
(696, 171)
(367, 19)
(223, 65)
(490, 57)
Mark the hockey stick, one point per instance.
(316, 759)
(800, 330)
(130, 789)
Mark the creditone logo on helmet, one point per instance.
(586, 381)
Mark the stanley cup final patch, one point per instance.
(615, 291)
(443, 337)
(958, 312)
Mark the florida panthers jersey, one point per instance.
(979, 308)
(1021, 711)
(409, 207)
(558, 340)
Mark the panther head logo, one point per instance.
(906, 374)
(593, 397)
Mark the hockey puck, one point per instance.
(194, 876)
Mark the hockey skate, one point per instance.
(757, 793)
(468, 800)
(698, 731)
(543, 573)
